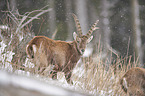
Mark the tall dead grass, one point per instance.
(97, 77)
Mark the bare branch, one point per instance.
(13, 19)
(19, 22)
(35, 17)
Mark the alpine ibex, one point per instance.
(62, 55)
(133, 82)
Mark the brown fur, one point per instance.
(63, 55)
(133, 82)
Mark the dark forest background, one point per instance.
(121, 22)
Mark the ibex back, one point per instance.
(133, 82)
(62, 55)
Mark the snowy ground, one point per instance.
(31, 84)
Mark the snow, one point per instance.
(5, 57)
(28, 63)
(2, 44)
(4, 27)
(79, 71)
(88, 52)
(35, 85)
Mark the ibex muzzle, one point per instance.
(62, 55)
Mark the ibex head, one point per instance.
(81, 39)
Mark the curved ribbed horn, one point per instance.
(93, 28)
(79, 30)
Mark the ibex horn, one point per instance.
(79, 30)
(93, 28)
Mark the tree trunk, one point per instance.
(136, 31)
(105, 23)
(52, 18)
(81, 10)
(70, 27)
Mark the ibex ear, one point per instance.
(75, 36)
(89, 39)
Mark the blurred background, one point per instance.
(121, 23)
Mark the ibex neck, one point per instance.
(76, 48)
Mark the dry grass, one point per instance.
(97, 78)
(100, 77)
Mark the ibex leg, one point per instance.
(68, 77)
(54, 74)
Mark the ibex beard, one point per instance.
(133, 82)
(62, 55)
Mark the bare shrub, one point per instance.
(19, 34)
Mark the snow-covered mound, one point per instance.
(16, 85)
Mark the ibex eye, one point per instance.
(83, 50)
(32, 56)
